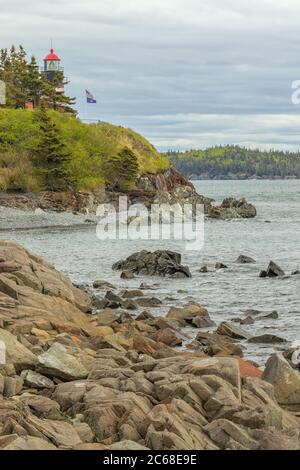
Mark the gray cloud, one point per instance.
(186, 73)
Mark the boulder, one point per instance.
(29, 443)
(221, 266)
(189, 313)
(33, 379)
(286, 381)
(57, 362)
(17, 354)
(149, 302)
(273, 270)
(267, 339)
(228, 435)
(243, 259)
(214, 344)
(158, 263)
(228, 329)
(127, 275)
(99, 284)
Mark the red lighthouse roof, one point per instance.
(51, 56)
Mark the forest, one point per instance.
(235, 162)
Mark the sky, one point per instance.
(184, 73)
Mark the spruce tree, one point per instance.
(121, 169)
(52, 158)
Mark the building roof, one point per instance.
(51, 56)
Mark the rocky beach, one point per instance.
(94, 367)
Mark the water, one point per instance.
(274, 234)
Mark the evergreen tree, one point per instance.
(51, 157)
(121, 169)
(26, 83)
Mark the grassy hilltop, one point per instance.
(90, 149)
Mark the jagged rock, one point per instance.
(127, 275)
(221, 266)
(29, 443)
(243, 259)
(12, 386)
(273, 270)
(99, 284)
(16, 353)
(35, 380)
(168, 337)
(232, 208)
(151, 302)
(57, 362)
(189, 313)
(62, 434)
(286, 381)
(270, 316)
(232, 331)
(214, 344)
(268, 339)
(107, 317)
(247, 321)
(158, 263)
(226, 434)
(203, 270)
(131, 294)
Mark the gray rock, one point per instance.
(57, 362)
(33, 379)
(157, 263)
(267, 339)
(243, 259)
(286, 381)
(228, 329)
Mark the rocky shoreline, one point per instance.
(79, 208)
(92, 368)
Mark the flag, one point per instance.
(89, 97)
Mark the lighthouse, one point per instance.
(53, 71)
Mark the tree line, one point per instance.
(236, 162)
(25, 82)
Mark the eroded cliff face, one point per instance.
(168, 187)
(167, 181)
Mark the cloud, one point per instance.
(175, 59)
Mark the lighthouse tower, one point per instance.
(53, 70)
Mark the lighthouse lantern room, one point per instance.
(52, 68)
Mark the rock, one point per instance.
(221, 266)
(228, 329)
(273, 271)
(29, 443)
(42, 406)
(270, 316)
(84, 432)
(57, 362)
(228, 435)
(62, 434)
(33, 379)
(243, 259)
(232, 208)
(151, 302)
(248, 370)
(203, 270)
(12, 386)
(267, 339)
(247, 321)
(107, 317)
(295, 273)
(129, 304)
(203, 322)
(286, 381)
(127, 275)
(168, 337)
(214, 344)
(16, 353)
(188, 313)
(103, 285)
(158, 263)
(131, 294)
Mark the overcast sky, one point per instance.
(185, 73)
